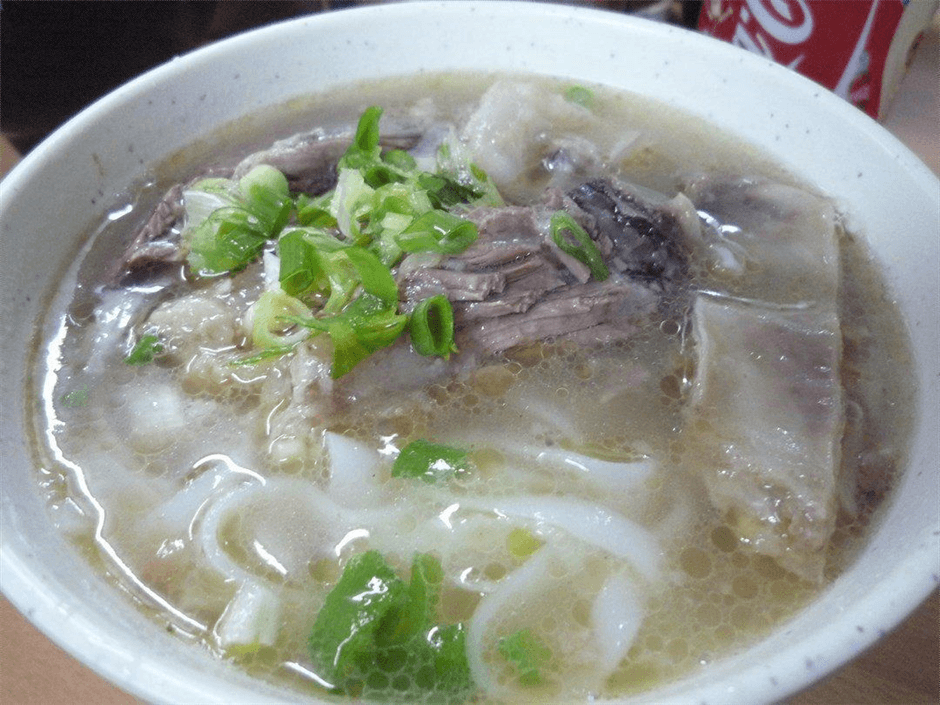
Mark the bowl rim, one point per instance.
(156, 681)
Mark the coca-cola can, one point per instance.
(859, 49)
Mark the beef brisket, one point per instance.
(515, 286)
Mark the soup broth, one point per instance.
(593, 518)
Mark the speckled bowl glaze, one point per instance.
(68, 182)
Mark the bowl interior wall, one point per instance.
(111, 144)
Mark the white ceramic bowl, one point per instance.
(66, 184)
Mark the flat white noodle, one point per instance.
(583, 520)
(522, 581)
(543, 411)
(463, 540)
(327, 527)
(179, 511)
(251, 617)
(354, 471)
(156, 420)
(184, 505)
(207, 534)
(238, 501)
(616, 617)
(608, 475)
(616, 478)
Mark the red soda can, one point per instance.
(859, 49)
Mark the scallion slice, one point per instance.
(375, 277)
(366, 325)
(432, 327)
(270, 329)
(438, 231)
(365, 145)
(315, 212)
(146, 349)
(298, 270)
(579, 95)
(527, 653)
(584, 250)
(430, 462)
(266, 196)
(266, 354)
(229, 223)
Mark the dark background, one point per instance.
(58, 56)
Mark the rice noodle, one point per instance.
(615, 477)
(543, 411)
(616, 617)
(329, 517)
(206, 536)
(251, 618)
(603, 474)
(180, 509)
(522, 581)
(354, 471)
(583, 520)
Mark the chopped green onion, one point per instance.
(365, 154)
(375, 277)
(265, 354)
(315, 212)
(376, 326)
(372, 624)
(362, 328)
(365, 145)
(522, 543)
(394, 208)
(584, 251)
(269, 329)
(430, 462)
(148, 347)
(438, 231)
(579, 95)
(352, 200)
(527, 653)
(229, 223)
(226, 241)
(395, 221)
(298, 266)
(357, 326)
(453, 162)
(383, 206)
(402, 198)
(343, 635)
(320, 264)
(369, 334)
(348, 351)
(214, 184)
(432, 327)
(400, 159)
(445, 191)
(266, 196)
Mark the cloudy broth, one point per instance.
(205, 488)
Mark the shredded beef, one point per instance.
(514, 285)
